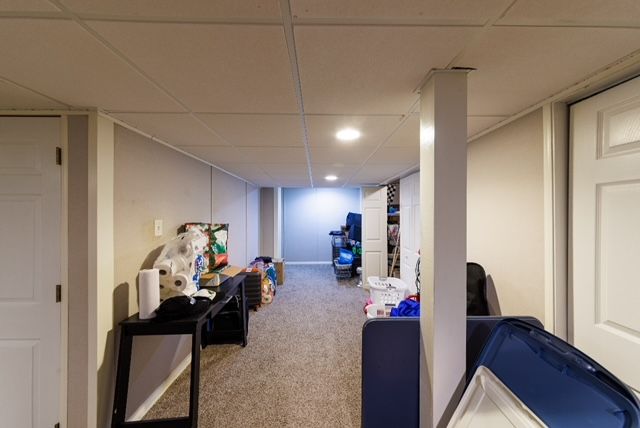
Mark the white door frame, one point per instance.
(555, 122)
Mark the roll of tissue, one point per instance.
(148, 292)
(166, 268)
(179, 282)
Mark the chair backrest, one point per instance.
(476, 290)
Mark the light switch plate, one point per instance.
(157, 227)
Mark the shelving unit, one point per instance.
(393, 240)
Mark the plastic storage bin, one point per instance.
(342, 271)
(387, 291)
(562, 386)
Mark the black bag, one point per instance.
(180, 307)
(476, 290)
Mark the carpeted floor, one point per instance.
(301, 367)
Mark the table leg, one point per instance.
(122, 380)
(194, 391)
(245, 314)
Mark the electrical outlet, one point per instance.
(157, 227)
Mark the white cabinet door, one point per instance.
(374, 232)
(29, 271)
(606, 228)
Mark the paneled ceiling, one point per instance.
(260, 87)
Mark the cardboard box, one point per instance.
(279, 264)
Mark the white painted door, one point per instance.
(374, 232)
(409, 228)
(30, 203)
(606, 229)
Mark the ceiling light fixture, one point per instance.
(348, 134)
(331, 177)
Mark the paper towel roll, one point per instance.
(148, 292)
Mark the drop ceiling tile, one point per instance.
(211, 68)
(285, 171)
(375, 174)
(337, 168)
(396, 155)
(288, 174)
(322, 129)
(347, 154)
(178, 129)
(303, 182)
(518, 67)
(248, 171)
(371, 70)
(184, 9)
(16, 98)
(257, 129)
(273, 154)
(342, 171)
(408, 135)
(73, 67)
(470, 11)
(27, 6)
(573, 12)
(476, 124)
(214, 154)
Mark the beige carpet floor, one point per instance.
(301, 367)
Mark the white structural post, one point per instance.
(443, 211)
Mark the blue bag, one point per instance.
(346, 257)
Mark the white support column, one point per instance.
(277, 222)
(443, 211)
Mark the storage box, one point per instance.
(279, 264)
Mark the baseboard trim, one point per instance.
(160, 390)
(308, 263)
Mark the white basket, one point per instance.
(377, 311)
(390, 291)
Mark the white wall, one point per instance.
(505, 214)
(78, 279)
(309, 215)
(253, 222)
(267, 216)
(153, 181)
(229, 205)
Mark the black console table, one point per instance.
(134, 326)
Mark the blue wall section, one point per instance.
(308, 216)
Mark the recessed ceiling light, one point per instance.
(331, 177)
(348, 134)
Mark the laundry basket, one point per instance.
(342, 270)
(387, 291)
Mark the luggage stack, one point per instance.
(252, 288)
(342, 264)
(338, 241)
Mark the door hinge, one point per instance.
(58, 293)
(58, 156)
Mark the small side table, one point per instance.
(192, 325)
